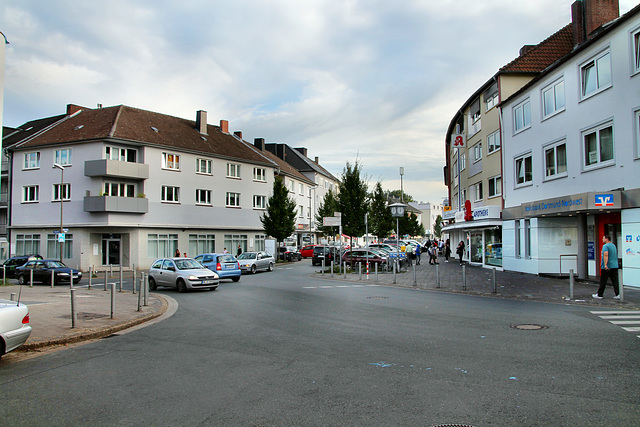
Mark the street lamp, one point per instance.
(397, 211)
(61, 196)
(401, 186)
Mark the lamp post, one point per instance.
(397, 211)
(61, 196)
(401, 186)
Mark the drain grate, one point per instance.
(529, 327)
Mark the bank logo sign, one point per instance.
(603, 200)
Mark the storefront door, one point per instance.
(111, 250)
(476, 247)
(609, 224)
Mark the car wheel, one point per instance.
(182, 287)
(22, 280)
(152, 284)
(270, 268)
(253, 269)
(236, 279)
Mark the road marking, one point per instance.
(309, 287)
(622, 318)
(637, 316)
(625, 322)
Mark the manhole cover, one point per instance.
(529, 327)
(377, 297)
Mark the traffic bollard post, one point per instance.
(415, 279)
(31, 279)
(113, 300)
(437, 275)
(571, 283)
(90, 277)
(13, 296)
(146, 289)
(464, 278)
(120, 281)
(74, 317)
(493, 277)
(53, 278)
(105, 279)
(360, 271)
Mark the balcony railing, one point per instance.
(138, 205)
(116, 169)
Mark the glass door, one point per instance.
(111, 251)
(476, 247)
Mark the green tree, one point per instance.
(406, 198)
(353, 201)
(381, 222)
(437, 227)
(327, 208)
(279, 220)
(409, 225)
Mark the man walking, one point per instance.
(608, 268)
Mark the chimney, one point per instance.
(201, 121)
(302, 150)
(259, 143)
(280, 151)
(598, 13)
(238, 134)
(73, 109)
(317, 160)
(577, 19)
(224, 126)
(526, 49)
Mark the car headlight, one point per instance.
(63, 274)
(192, 277)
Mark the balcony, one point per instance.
(116, 169)
(136, 205)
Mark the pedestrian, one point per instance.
(418, 253)
(225, 251)
(447, 251)
(239, 251)
(608, 268)
(435, 253)
(460, 250)
(185, 254)
(177, 254)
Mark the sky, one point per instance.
(375, 82)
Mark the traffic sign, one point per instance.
(458, 141)
(60, 237)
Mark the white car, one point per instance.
(181, 273)
(14, 325)
(254, 261)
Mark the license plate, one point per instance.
(208, 282)
(229, 267)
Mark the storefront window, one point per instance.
(493, 247)
(476, 246)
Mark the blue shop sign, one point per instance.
(591, 250)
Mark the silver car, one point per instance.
(182, 274)
(14, 325)
(254, 261)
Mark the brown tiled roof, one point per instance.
(543, 54)
(147, 128)
(285, 168)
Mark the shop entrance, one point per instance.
(609, 224)
(111, 249)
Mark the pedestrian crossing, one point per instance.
(627, 319)
(339, 286)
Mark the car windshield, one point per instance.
(247, 255)
(226, 258)
(54, 264)
(188, 264)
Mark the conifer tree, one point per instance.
(279, 220)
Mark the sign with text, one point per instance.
(458, 141)
(331, 221)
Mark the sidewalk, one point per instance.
(509, 284)
(50, 313)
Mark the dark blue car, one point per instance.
(225, 265)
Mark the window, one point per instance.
(53, 246)
(259, 202)
(62, 157)
(598, 146)
(474, 110)
(66, 192)
(553, 99)
(518, 239)
(121, 154)
(233, 200)
(463, 161)
(233, 170)
(495, 186)
(291, 186)
(203, 197)
(231, 242)
(30, 193)
(202, 243)
(204, 166)
(300, 211)
(27, 244)
(260, 174)
(476, 151)
(170, 194)
(31, 160)
(524, 174)
(161, 245)
(493, 142)
(119, 189)
(555, 160)
(637, 125)
(477, 192)
(527, 239)
(522, 116)
(491, 101)
(302, 189)
(595, 75)
(259, 244)
(170, 161)
(455, 173)
(636, 51)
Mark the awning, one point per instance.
(473, 224)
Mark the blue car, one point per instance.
(225, 265)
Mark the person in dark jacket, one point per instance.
(460, 250)
(447, 251)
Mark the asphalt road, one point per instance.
(283, 348)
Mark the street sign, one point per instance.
(458, 141)
(60, 237)
(446, 208)
(331, 221)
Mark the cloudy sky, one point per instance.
(375, 81)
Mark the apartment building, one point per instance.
(571, 153)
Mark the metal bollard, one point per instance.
(376, 267)
(4, 273)
(133, 270)
(571, 283)
(31, 279)
(145, 280)
(90, 277)
(415, 279)
(139, 293)
(74, 316)
(323, 266)
(53, 278)
(113, 300)
(360, 271)
(332, 264)
(437, 275)
(464, 278)
(105, 279)
(110, 270)
(120, 282)
(395, 263)
(495, 286)
(344, 269)
(13, 296)
(621, 287)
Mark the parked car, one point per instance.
(226, 266)
(289, 253)
(307, 251)
(361, 256)
(326, 253)
(181, 273)
(14, 325)
(42, 270)
(254, 261)
(12, 263)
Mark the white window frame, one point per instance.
(637, 131)
(31, 161)
(66, 192)
(170, 194)
(232, 200)
(233, 170)
(300, 211)
(598, 153)
(478, 194)
(203, 197)
(463, 161)
(477, 152)
(31, 194)
(522, 111)
(259, 202)
(204, 166)
(122, 154)
(522, 158)
(171, 161)
(556, 91)
(492, 101)
(599, 63)
(118, 189)
(635, 51)
(62, 157)
(497, 186)
(455, 173)
(260, 174)
(554, 146)
(301, 188)
(493, 140)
